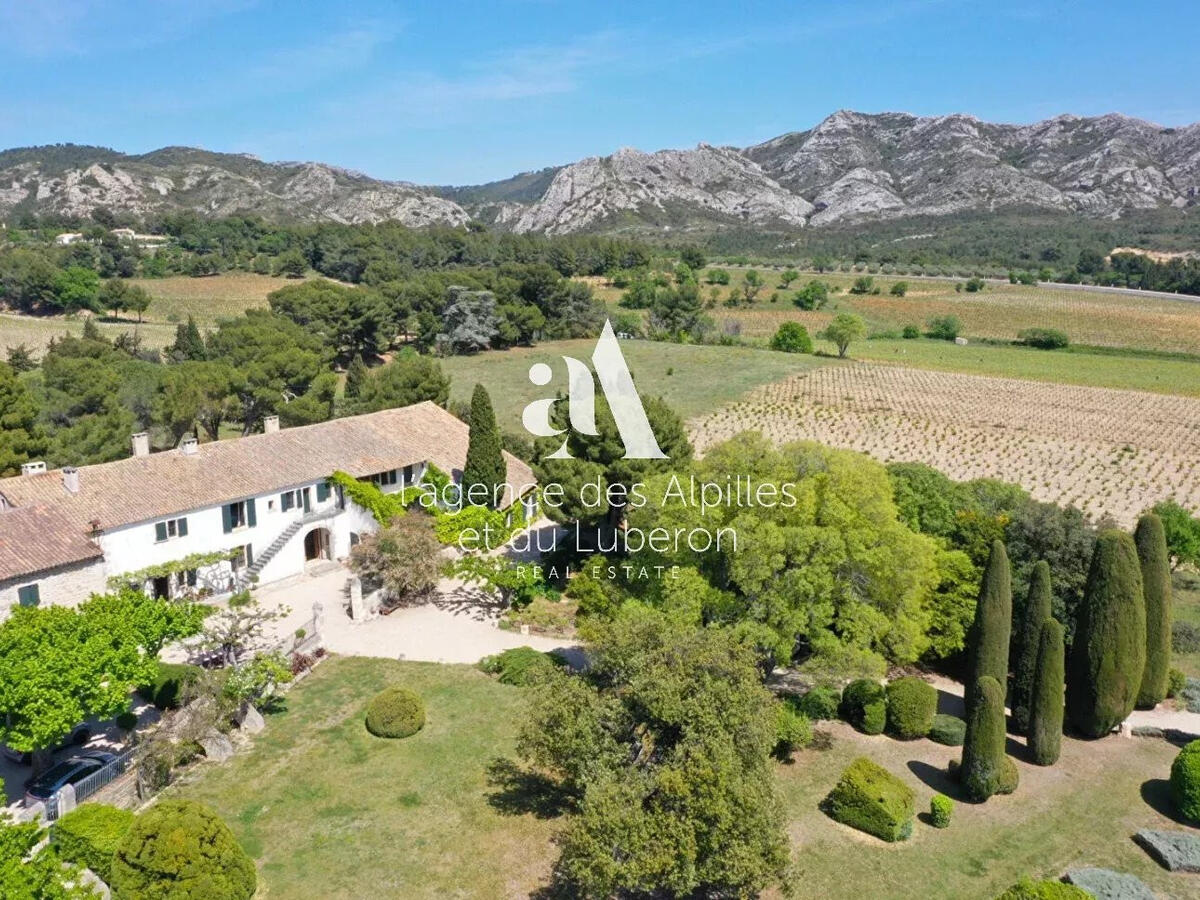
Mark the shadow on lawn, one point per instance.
(517, 791)
(1157, 794)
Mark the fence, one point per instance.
(99, 779)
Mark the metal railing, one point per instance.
(98, 780)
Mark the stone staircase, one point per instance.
(261, 559)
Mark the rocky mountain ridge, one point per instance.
(850, 167)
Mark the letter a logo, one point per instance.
(617, 385)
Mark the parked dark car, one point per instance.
(70, 771)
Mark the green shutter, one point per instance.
(183, 527)
(29, 595)
(160, 531)
(322, 491)
(250, 552)
(251, 519)
(227, 517)
(285, 501)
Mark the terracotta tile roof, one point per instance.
(142, 488)
(37, 538)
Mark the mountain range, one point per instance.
(850, 168)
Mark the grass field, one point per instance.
(692, 379)
(329, 811)
(998, 312)
(207, 299)
(35, 332)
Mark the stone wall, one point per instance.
(64, 586)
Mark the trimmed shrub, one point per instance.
(793, 731)
(1151, 542)
(909, 332)
(792, 337)
(983, 771)
(1044, 338)
(911, 706)
(1044, 890)
(864, 705)
(1109, 653)
(127, 721)
(89, 835)
(182, 850)
(992, 627)
(941, 808)
(395, 712)
(1009, 777)
(1185, 782)
(167, 689)
(1176, 682)
(872, 799)
(520, 666)
(1037, 611)
(1046, 709)
(948, 730)
(819, 704)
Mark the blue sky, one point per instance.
(470, 92)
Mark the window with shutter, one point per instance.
(322, 491)
(160, 531)
(286, 500)
(227, 517)
(251, 519)
(29, 595)
(182, 527)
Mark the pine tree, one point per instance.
(1037, 611)
(189, 344)
(21, 438)
(1151, 541)
(1109, 653)
(356, 377)
(985, 769)
(993, 623)
(485, 458)
(1047, 701)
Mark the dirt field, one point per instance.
(1106, 451)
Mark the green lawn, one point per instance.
(1160, 375)
(692, 379)
(35, 332)
(329, 811)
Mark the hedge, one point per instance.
(871, 799)
(395, 712)
(1151, 542)
(911, 706)
(167, 689)
(1046, 707)
(89, 835)
(1176, 682)
(948, 730)
(182, 850)
(992, 627)
(793, 731)
(1185, 782)
(520, 665)
(864, 705)
(1109, 653)
(821, 703)
(941, 808)
(1037, 611)
(984, 771)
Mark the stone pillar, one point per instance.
(318, 619)
(358, 610)
(66, 799)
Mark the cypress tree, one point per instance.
(356, 377)
(1046, 702)
(992, 627)
(985, 769)
(1151, 541)
(1109, 654)
(485, 458)
(1037, 611)
(189, 344)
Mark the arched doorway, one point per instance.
(316, 545)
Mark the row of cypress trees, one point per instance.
(1120, 657)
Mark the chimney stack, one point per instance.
(70, 476)
(189, 445)
(270, 424)
(33, 468)
(141, 444)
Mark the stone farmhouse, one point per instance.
(262, 503)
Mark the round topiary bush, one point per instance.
(864, 705)
(1044, 890)
(941, 808)
(1185, 781)
(948, 730)
(396, 712)
(821, 703)
(90, 834)
(911, 705)
(181, 849)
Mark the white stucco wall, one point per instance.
(63, 586)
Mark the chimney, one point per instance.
(270, 424)
(33, 468)
(141, 444)
(188, 446)
(70, 476)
